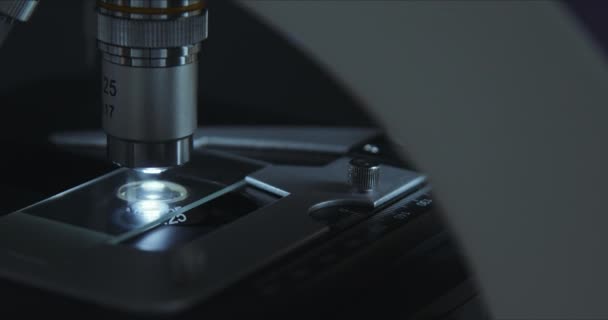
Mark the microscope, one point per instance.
(150, 79)
(263, 218)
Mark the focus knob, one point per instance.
(363, 174)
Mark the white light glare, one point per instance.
(152, 186)
(153, 170)
(150, 210)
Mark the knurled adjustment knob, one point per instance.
(363, 174)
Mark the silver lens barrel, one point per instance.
(149, 78)
(147, 155)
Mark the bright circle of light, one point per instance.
(152, 170)
(157, 190)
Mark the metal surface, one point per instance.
(18, 9)
(363, 175)
(151, 109)
(152, 3)
(151, 34)
(151, 9)
(150, 104)
(131, 279)
(149, 53)
(150, 78)
(312, 139)
(116, 275)
(149, 155)
(149, 57)
(153, 39)
(326, 186)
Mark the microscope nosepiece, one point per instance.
(150, 78)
